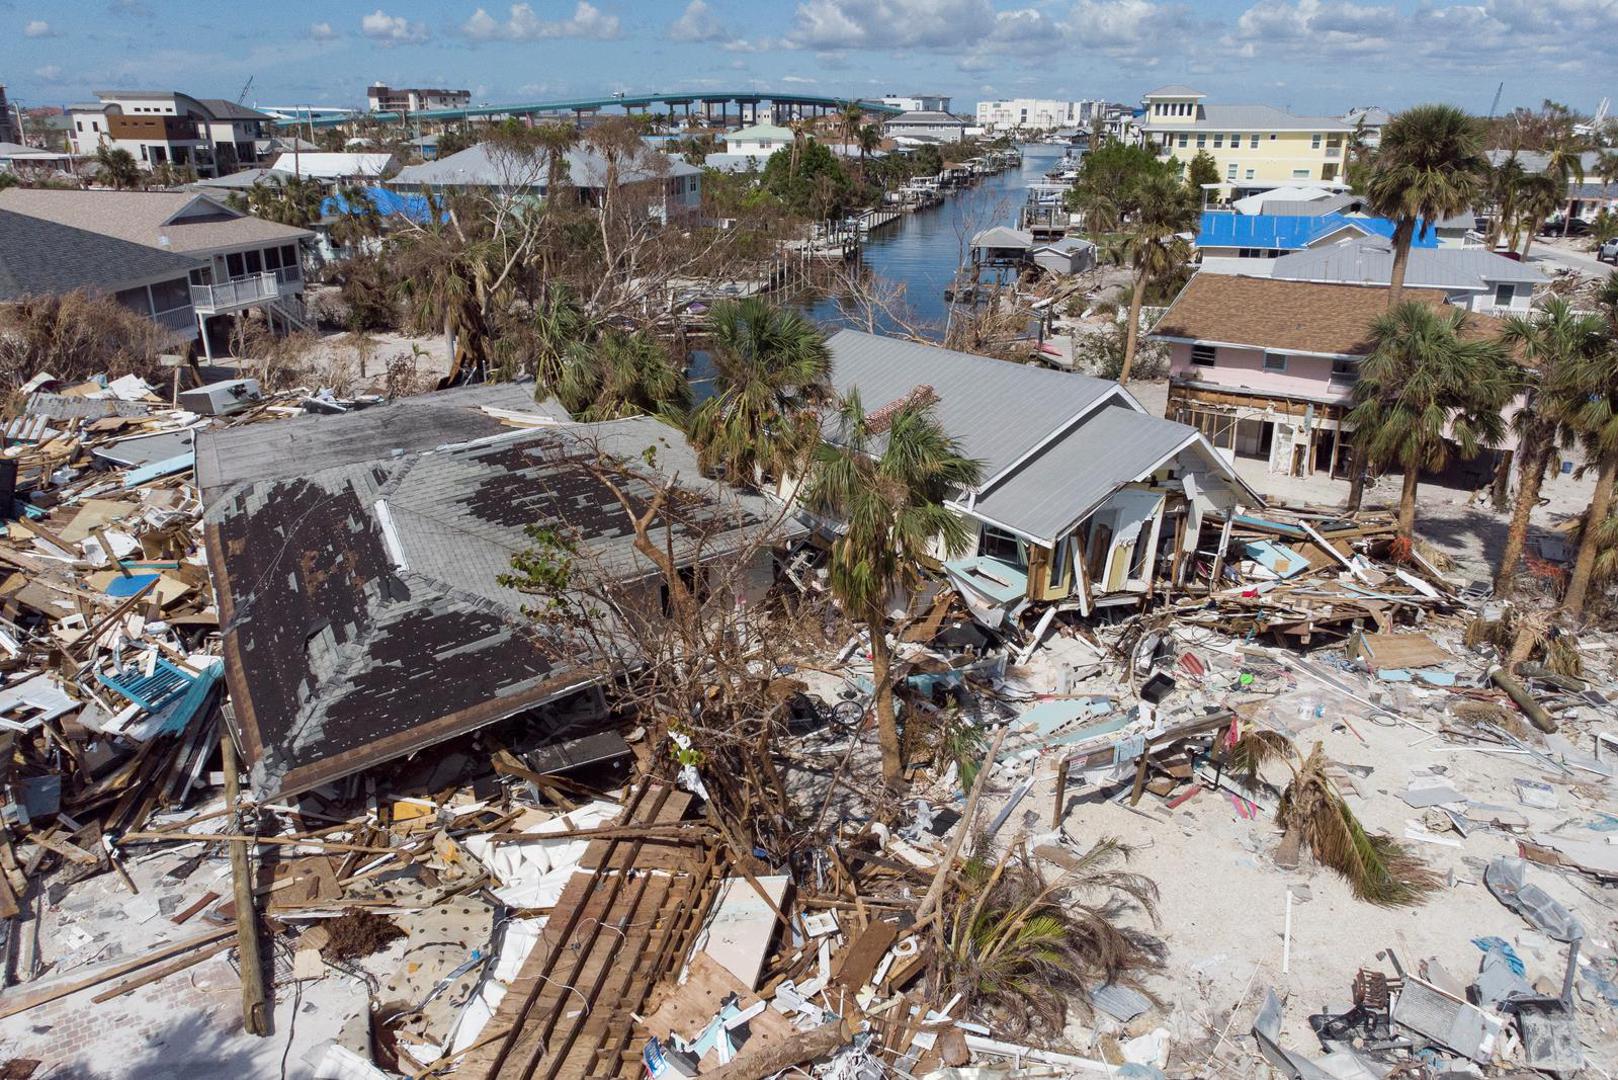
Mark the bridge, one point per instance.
(798, 104)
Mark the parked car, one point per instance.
(1576, 227)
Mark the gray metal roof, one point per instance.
(1061, 485)
(44, 258)
(1003, 236)
(281, 449)
(473, 167)
(1174, 90)
(999, 411)
(243, 179)
(1310, 207)
(1371, 262)
(1534, 161)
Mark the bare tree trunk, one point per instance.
(887, 724)
(1132, 337)
(1407, 503)
(1356, 476)
(1403, 233)
(1600, 503)
(1531, 465)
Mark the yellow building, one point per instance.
(1257, 147)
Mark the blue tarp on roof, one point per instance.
(388, 203)
(1288, 232)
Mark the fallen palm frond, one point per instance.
(1312, 811)
(1023, 948)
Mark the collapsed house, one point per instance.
(1086, 499)
(361, 597)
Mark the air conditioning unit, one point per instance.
(222, 398)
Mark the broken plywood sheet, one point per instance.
(96, 514)
(739, 933)
(1399, 651)
(686, 1009)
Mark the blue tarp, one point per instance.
(388, 203)
(1289, 232)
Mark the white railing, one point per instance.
(236, 293)
(179, 320)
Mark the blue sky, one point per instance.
(1308, 55)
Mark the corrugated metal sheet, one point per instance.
(1369, 262)
(1059, 487)
(999, 411)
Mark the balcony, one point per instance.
(245, 292)
(181, 321)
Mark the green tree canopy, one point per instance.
(809, 180)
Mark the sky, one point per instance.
(1312, 56)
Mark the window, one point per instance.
(1230, 171)
(1300, 174)
(1314, 141)
(255, 264)
(1202, 355)
(1274, 362)
(1183, 138)
(1219, 140)
(1345, 371)
(81, 124)
(233, 265)
(1504, 294)
(1002, 547)
(1202, 140)
(1253, 145)
(1249, 174)
(170, 295)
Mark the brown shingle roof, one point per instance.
(139, 216)
(1287, 316)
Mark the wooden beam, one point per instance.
(255, 997)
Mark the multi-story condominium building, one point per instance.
(379, 97)
(918, 102)
(165, 127)
(1255, 146)
(1034, 113)
(10, 130)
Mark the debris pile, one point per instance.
(1313, 794)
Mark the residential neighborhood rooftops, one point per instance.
(925, 116)
(40, 257)
(1371, 262)
(760, 133)
(223, 109)
(415, 640)
(242, 179)
(477, 167)
(176, 221)
(1286, 316)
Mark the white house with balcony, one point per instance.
(243, 261)
(165, 127)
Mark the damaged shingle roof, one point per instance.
(363, 616)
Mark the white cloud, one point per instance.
(37, 28)
(799, 80)
(522, 24)
(891, 24)
(49, 73)
(388, 29)
(322, 31)
(699, 23)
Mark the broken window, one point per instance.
(1003, 547)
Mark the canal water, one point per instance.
(915, 259)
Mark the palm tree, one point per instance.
(1154, 246)
(1424, 384)
(1430, 167)
(442, 278)
(293, 200)
(555, 138)
(1564, 163)
(116, 168)
(1505, 186)
(770, 367)
(1591, 389)
(870, 137)
(849, 122)
(622, 374)
(886, 477)
(1538, 199)
(1549, 347)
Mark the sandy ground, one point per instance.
(1459, 521)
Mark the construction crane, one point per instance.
(248, 85)
(1493, 106)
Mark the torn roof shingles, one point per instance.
(338, 659)
(305, 444)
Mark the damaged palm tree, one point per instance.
(1313, 812)
(1022, 947)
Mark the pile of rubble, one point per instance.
(575, 907)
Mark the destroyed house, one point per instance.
(1085, 498)
(364, 617)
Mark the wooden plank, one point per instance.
(858, 962)
(22, 1000)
